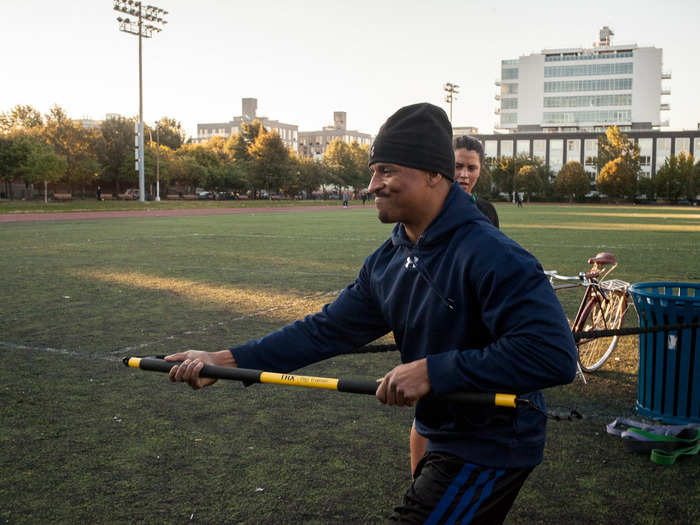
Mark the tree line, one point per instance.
(54, 149)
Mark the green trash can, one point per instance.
(669, 362)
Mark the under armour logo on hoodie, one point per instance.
(411, 263)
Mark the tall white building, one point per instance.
(583, 89)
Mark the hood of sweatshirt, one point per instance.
(457, 210)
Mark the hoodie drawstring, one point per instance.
(413, 262)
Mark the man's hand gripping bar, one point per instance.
(354, 386)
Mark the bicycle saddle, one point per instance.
(603, 258)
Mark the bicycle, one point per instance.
(603, 307)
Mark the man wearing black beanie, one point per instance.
(470, 310)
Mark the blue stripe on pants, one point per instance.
(485, 493)
(450, 494)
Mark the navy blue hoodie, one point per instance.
(473, 302)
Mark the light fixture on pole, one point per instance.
(452, 91)
(143, 27)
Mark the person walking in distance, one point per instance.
(470, 310)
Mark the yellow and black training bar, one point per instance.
(355, 386)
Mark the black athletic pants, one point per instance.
(446, 489)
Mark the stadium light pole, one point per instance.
(452, 91)
(143, 27)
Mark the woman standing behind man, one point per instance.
(469, 157)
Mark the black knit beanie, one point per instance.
(417, 136)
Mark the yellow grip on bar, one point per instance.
(504, 400)
(295, 380)
(134, 362)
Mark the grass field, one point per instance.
(38, 206)
(83, 439)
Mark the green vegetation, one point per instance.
(254, 161)
(86, 440)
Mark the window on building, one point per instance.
(506, 148)
(682, 145)
(509, 89)
(580, 70)
(509, 74)
(599, 84)
(588, 101)
(573, 150)
(590, 155)
(645, 153)
(491, 149)
(557, 57)
(509, 103)
(663, 150)
(539, 149)
(522, 147)
(574, 117)
(556, 154)
(509, 118)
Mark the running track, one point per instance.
(69, 216)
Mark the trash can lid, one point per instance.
(680, 292)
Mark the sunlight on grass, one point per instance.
(243, 300)
(579, 226)
(271, 261)
(681, 216)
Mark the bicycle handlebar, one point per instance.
(552, 274)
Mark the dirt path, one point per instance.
(78, 215)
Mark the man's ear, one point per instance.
(434, 178)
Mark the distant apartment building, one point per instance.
(583, 89)
(313, 144)
(289, 133)
(88, 123)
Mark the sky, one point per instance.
(303, 60)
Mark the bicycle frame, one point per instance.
(596, 301)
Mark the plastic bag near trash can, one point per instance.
(669, 362)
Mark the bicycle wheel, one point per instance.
(600, 315)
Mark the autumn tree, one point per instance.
(170, 133)
(73, 142)
(572, 181)
(270, 163)
(505, 169)
(14, 151)
(484, 184)
(42, 164)
(115, 151)
(339, 162)
(694, 183)
(20, 118)
(157, 160)
(360, 157)
(310, 175)
(617, 179)
(615, 144)
(528, 180)
(674, 179)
